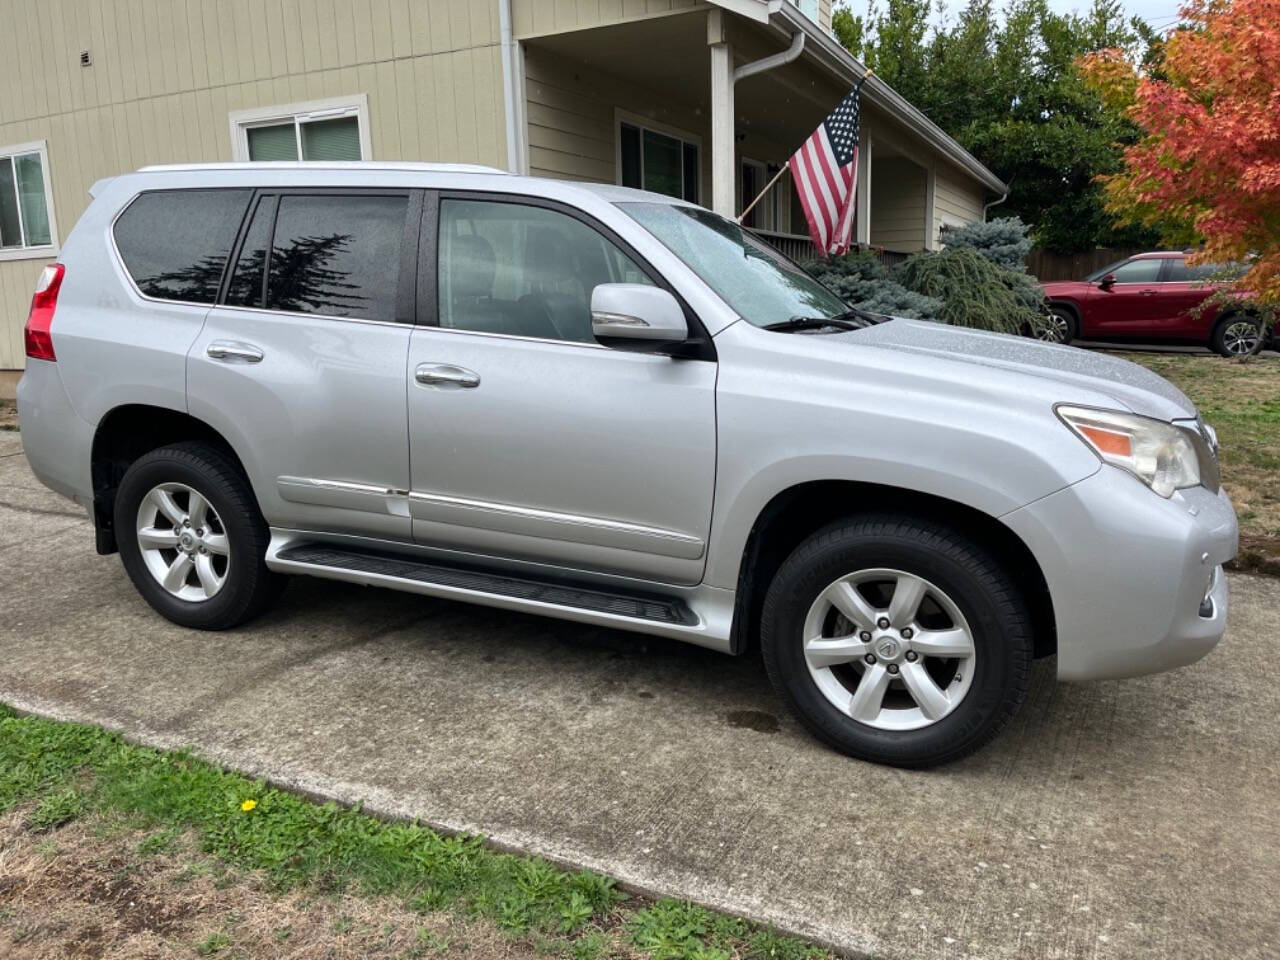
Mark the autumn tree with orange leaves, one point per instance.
(1207, 168)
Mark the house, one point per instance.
(705, 99)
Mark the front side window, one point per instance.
(321, 130)
(175, 243)
(333, 255)
(760, 284)
(26, 211)
(1138, 271)
(657, 161)
(522, 270)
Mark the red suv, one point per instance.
(1151, 296)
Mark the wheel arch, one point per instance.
(800, 510)
(123, 435)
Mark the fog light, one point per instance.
(1206, 602)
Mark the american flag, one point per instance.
(825, 170)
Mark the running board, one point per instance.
(641, 612)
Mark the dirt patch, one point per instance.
(85, 891)
(8, 415)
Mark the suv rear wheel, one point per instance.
(192, 539)
(1237, 335)
(897, 640)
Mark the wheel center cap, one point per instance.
(187, 541)
(888, 648)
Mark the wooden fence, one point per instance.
(1046, 266)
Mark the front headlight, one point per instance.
(1157, 453)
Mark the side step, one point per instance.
(368, 567)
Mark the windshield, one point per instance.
(762, 285)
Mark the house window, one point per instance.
(808, 7)
(771, 212)
(658, 160)
(27, 227)
(321, 130)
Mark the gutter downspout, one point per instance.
(769, 63)
(511, 94)
(994, 203)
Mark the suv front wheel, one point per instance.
(897, 640)
(192, 538)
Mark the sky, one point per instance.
(1158, 13)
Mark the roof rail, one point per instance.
(409, 166)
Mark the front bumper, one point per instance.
(1128, 572)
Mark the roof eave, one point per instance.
(841, 62)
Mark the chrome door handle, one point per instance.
(433, 373)
(233, 351)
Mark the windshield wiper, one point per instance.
(853, 319)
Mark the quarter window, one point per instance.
(26, 207)
(523, 270)
(175, 243)
(657, 161)
(332, 255)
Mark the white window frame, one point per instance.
(242, 121)
(45, 250)
(643, 123)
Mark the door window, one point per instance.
(175, 243)
(1138, 271)
(523, 270)
(333, 255)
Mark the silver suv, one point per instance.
(613, 407)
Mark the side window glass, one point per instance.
(523, 270)
(245, 289)
(1138, 271)
(337, 255)
(175, 243)
(1175, 270)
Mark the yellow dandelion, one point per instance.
(248, 805)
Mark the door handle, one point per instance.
(1148, 293)
(436, 373)
(233, 351)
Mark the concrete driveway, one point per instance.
(1123, 819)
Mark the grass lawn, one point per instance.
(112, 850)
(1242, 402)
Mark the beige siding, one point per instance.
(824, 15)
(166, 73)
(534, 18)
(957, 199)
(897, 204)
(572, 119)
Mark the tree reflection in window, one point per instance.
(335, 255)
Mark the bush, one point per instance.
(1004, 242)
(974, 291)
(862, 281)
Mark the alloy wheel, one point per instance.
(1054, 330)
(183, 542)
(889, 649)
(1240, 338)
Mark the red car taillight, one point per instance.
(39, 330)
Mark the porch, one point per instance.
(653, 103)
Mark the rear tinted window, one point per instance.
(337, 255)
(175, 243)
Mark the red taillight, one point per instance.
(39, 330)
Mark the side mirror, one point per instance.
(1107, 282)
(636, 316)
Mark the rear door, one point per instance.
(529, 440)
(1182, 291)
(301, 363)
(1129, 307)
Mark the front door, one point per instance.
(301, 365)
(528, 440)
(1130, 307)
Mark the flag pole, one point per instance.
(767, 187)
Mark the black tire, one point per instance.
(1218, 340)
(974, 580)
(249, 586)
(1069, 323)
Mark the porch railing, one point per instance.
(799, 247)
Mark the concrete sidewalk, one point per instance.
(1123, 819)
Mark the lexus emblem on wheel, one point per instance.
(888, 649)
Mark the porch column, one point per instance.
(863, 227)
(931, 206)
(722, 178)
